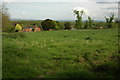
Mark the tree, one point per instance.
(86, 24)
(90, 22)
(60, 26)
(56, 25)
(6, 23)
(109, 20)
(67, 25)
(79, 15)
(49, 24)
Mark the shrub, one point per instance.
(60, 26)
(86, 25)
(100, 24)
(49, 24)
(67, 25)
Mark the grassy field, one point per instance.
(61, 54)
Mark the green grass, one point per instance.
(61, 54)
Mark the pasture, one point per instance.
(61, 54)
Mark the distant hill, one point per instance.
(83, 20)
(56, 20)
(22, 19)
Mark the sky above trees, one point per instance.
(60, 9)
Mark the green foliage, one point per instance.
(90, 21)
(6, 23)
(86, 25)
(49, 24)
(79, 15)
(109, 21)
(60, 25)
(56, 25)
(67, 25)
(100, 24)
(35, 22)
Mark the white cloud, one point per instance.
(80, 9)
(23, 12)
(60, 1)
(107, 0)
(45, 0)
(8, 1)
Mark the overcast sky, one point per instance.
(60, 9)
